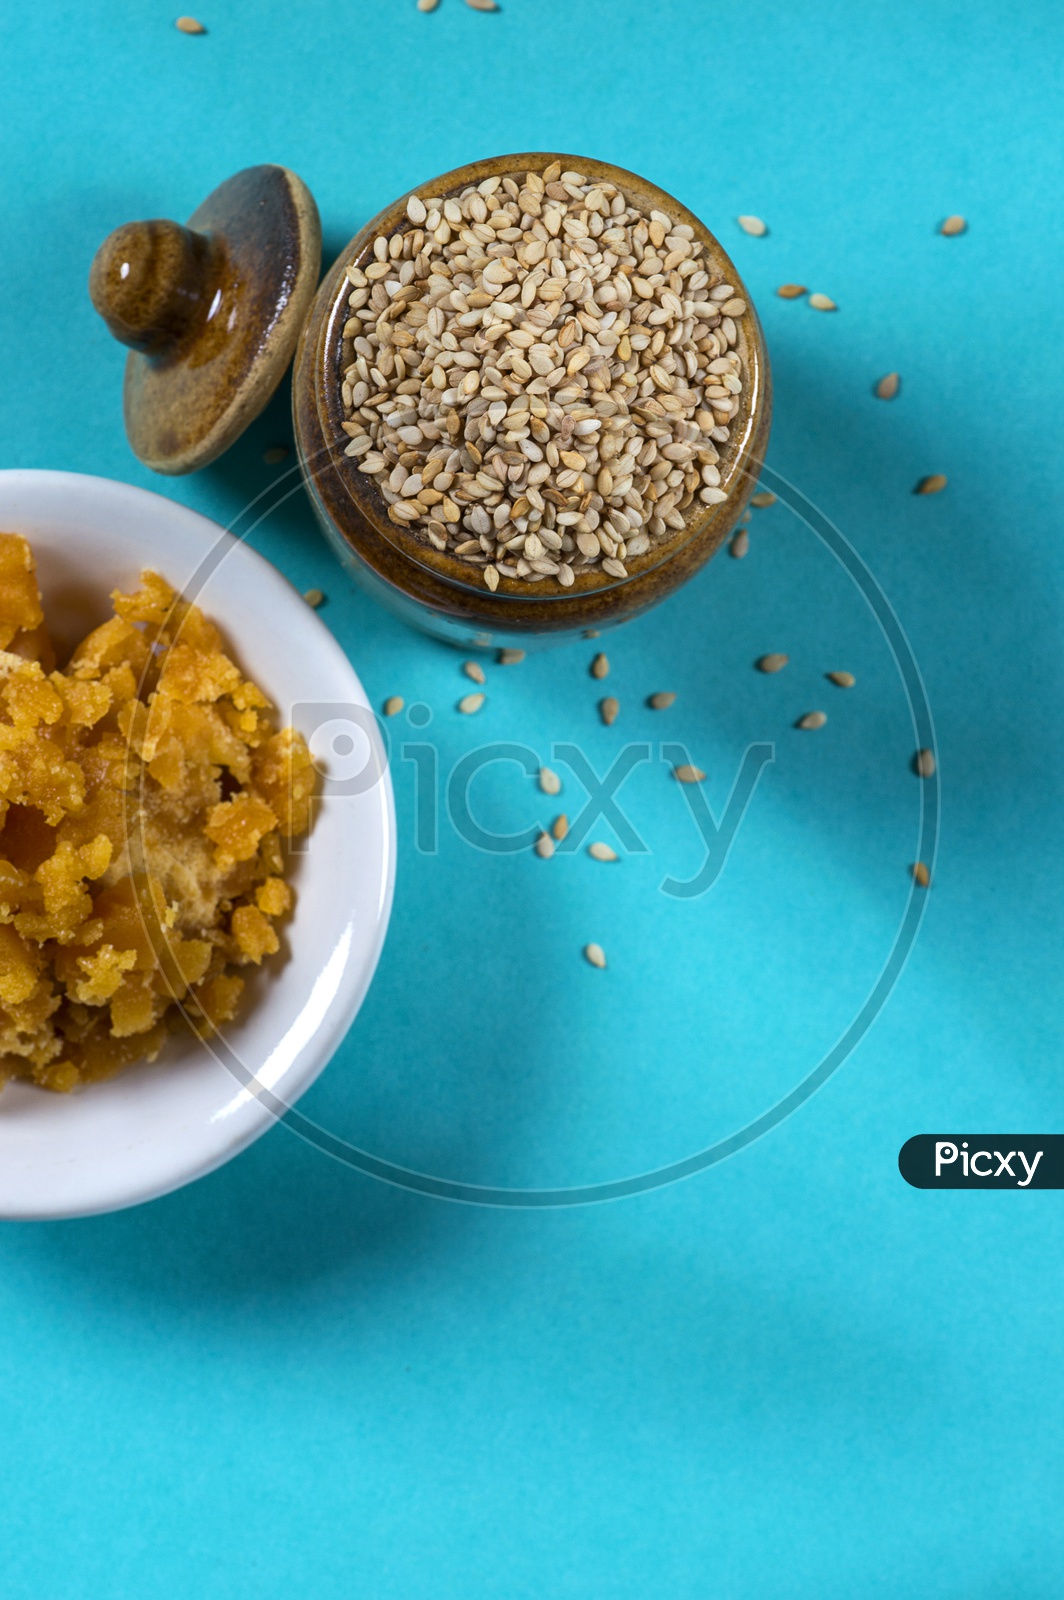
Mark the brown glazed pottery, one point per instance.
(211, 312)
(438, 592)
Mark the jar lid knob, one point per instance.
(150, 281)
(211, 312)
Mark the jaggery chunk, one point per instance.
(20, 964)
(273, 897)
(20, 602)
(283, 773)
(145, 800)
(254, 936)
(237, 825)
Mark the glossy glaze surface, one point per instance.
(211, 312)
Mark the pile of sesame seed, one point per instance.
(540, 376)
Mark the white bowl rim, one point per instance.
(37, 1183)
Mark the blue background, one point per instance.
(791, 1377)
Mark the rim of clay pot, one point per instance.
(324, 334)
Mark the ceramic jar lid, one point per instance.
(211, 312)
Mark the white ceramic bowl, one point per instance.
(159, 1126)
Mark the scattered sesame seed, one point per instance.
(822, 302)
(924, 763)
(953, 225)
(609, 709)
(427, 5)
(470, 703)
(601, 852)
(811, 721)
(600, 667)
(549, 781)
(510, 658)
(740, 544)
(314, 597)
(753, 226)
(662, 701)
(393, 705)
(474, 670)
(772, 663)
(560, 826)
(921, 874)
(843, 680)
(763, 498)
(791, 291)
(932, 485)
(888, 386)
(544, 846)
(688, 774)
(595, 954)
(189, 25)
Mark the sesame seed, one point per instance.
(888, 386)
(609, 709)
(595, 954)
(275, 453)
(510, 658)
(934, 484)
(822, 302)
(662, 700)
(474, 670)
(811, 721)
(921, 874)
(688, 774)
(600, 667)
(772, 663)
(952, 226)
(544, 846)
(549, 781)
(740, 544)
(470, 703)
(753, 226)
(762, 499)
(189, 25)
(314, 597)
(842, 680)
(601, 852)
(560, 826)
(791, 291)
(393, 705)
(924, 763)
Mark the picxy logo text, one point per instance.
(983, 1161)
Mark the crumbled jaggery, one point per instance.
(145, 800)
